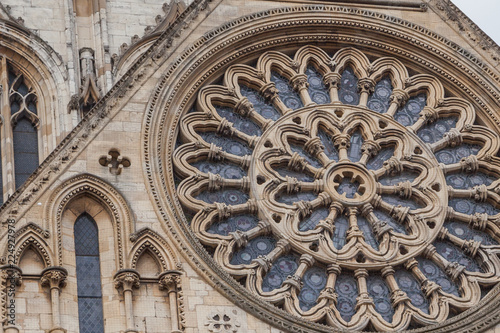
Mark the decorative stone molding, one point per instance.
(170, 281)
(222, 322)
(114, 161)
(10, 277)
(127, 280)
(55, 278)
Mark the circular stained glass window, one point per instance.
(343, 190)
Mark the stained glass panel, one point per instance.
(407, 283)
(282, 268)
(380, 100)
(348, 90)
(347, 291)
(381, 295)
(317, 89)
(410, 112)
(289, 96)
(258, 246)
(263, 108)
(314, 280)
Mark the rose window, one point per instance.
(344, 191)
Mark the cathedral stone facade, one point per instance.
(248, 167)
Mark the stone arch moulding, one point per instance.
(30, 238)
(18, 44)
(147, 240)
(103, 193)
(378, 35)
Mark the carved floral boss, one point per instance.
(341, 189)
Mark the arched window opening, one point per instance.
(88, 275)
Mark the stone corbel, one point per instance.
(170, 281)
(127, 279)
(55, 278)
(10, 277)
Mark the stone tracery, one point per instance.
(319, 180)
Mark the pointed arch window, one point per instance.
(88, 275)
(20, 127)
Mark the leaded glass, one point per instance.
(341, 226)
(378, 160)
(240, 123)
(330, 149)
(314, 281)
(464, 181)
(435, 131)
(286, 92)
(348, 90)
(410, 112)
(265, 109)
(311, 221)
(471, 207)
(380, 100)
(462, 230)
(259, 246)
(404, 176)
(367, 231)
(347, 291)
(381, 295)
(226, 170)
(434, 273)
(283, 267)
(407, 283)
(229, 197)
(239, 222)
(355, 148)
(229, 145)
(453, 155)
(317, 90)
(300, 150)
(453, 254)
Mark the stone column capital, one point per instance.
(54, 277)
(126, 279)
(10, 272)
(169, 280)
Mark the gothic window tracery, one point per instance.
(345, 191)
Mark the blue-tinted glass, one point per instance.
(366, 228)
(348, 187)
(90, 315)
(381, 295)
(229, 197)
(88, 275)
(407, 283)
(314, 280)
(330, 149)
(396, 179)
(25, 150)
(378, 160)
(470, 207)
(464, 181)
(282, 268)
(302, 176)
(382, 216)
(453, 254)
(14, 106)
(12, 77)
(289, 199)
(242, 124)
(380, 100)
(229, 145)
(347, 292)
(300, 150)
(341, 226)
(311, 221)
(22, 88)
(226, 170)
(266, 110)
(289, 96)
(434, 131)
(317, 89)
(348, 90)
(395, 200)
(462, 230)
(258, 246)
(436, 274)
(239, 222)
(354, 152)
(454, 155)
(408, 114)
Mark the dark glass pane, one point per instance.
(462, 230)
(453, 254)
(402, 177)
(348, 187)
(317, 89)
(289, 96)
(311, 221)
(410, 112)
(229, 197)
(434, 131)
(227, 144)
(226, 170)
(86, 237)
(330, 149)
(341, 226)
(382, 216)
(314, 280)
(25, 150)
(300, 150)
(14, 106)
(354, 152)
(407, 283)
(378, 160)
(348, 90)
(347, 291)
(289, 199)
(22, 89)
(242, 124)
(381, 295)
(366, 228)
(259, 246)
(395, 200)
(90, 315)
(436, 274)
(464, 181)
(302, 176)
(240, 222)
(470, 207)
(455, 154)
(266, 110)
(89, 276)
(282, 268)
(379, 101)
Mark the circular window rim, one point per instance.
(209, 50)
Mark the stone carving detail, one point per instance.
(222, 322)
(114, 161)
(338, 179)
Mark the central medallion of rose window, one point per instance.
(346, 192)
